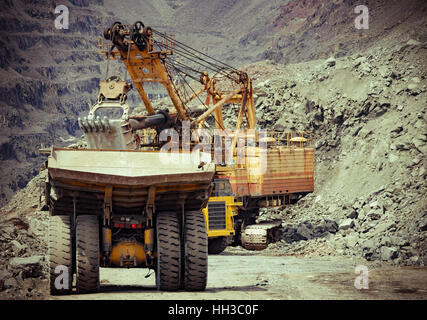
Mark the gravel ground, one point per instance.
(239, 274)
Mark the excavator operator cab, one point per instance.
(222, 188)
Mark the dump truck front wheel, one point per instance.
(168, 273)
(217, 245)
(60, 255)
(87, 254)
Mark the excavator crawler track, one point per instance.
(258, 236)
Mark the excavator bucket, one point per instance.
(109, 134)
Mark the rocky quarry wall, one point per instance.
(368, 117)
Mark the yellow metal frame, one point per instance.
(230, 207)
(149, 66)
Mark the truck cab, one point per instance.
(219, 216)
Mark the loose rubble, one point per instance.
(23, 244)
(367, 114)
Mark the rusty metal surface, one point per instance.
(107, 133)
(119, 136)
(83, 176)
(289, 170)
(125, 168)
(112, 89)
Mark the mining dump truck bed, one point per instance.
(83, 176)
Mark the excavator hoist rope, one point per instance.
(179, 72)
(175, 88)
(187, 48)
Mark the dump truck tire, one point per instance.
(217, 245)
(195, 251)
(87, 254)
(168, 273)
(60, 255)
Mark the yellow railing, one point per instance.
(295, 139)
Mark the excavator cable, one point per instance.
(184, 51)
(174, 87)
(187, 48)
(179, 73)
(202, 63)
(204, 105)
(183, 66)
(128, 53)
(181, 76)
(108, 55)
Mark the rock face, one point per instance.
(23, 265)
(49, 76)
(23, 244)
(346, 224)
(370, 154)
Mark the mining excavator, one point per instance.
(288, 157)
(134, 196)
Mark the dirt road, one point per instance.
(238, 274)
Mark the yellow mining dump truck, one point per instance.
(114, 205)
(219, 216)
(127, 202)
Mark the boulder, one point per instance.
(358, 61)
(304, 231)
(388, 253)
(375, 214)
(384, 226)
(423, 223)
(369, 248)
(324, 227)
(384, 71)
(369, 245)
(407, 252)
(365, 68)
(352, 239)
(289, 234)
(346, 224)
(352, 214)
(330, 62)
(30, 266)
(20, 262)
(10, 283)
(286, 96)
(415, 260)
(398, 241)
